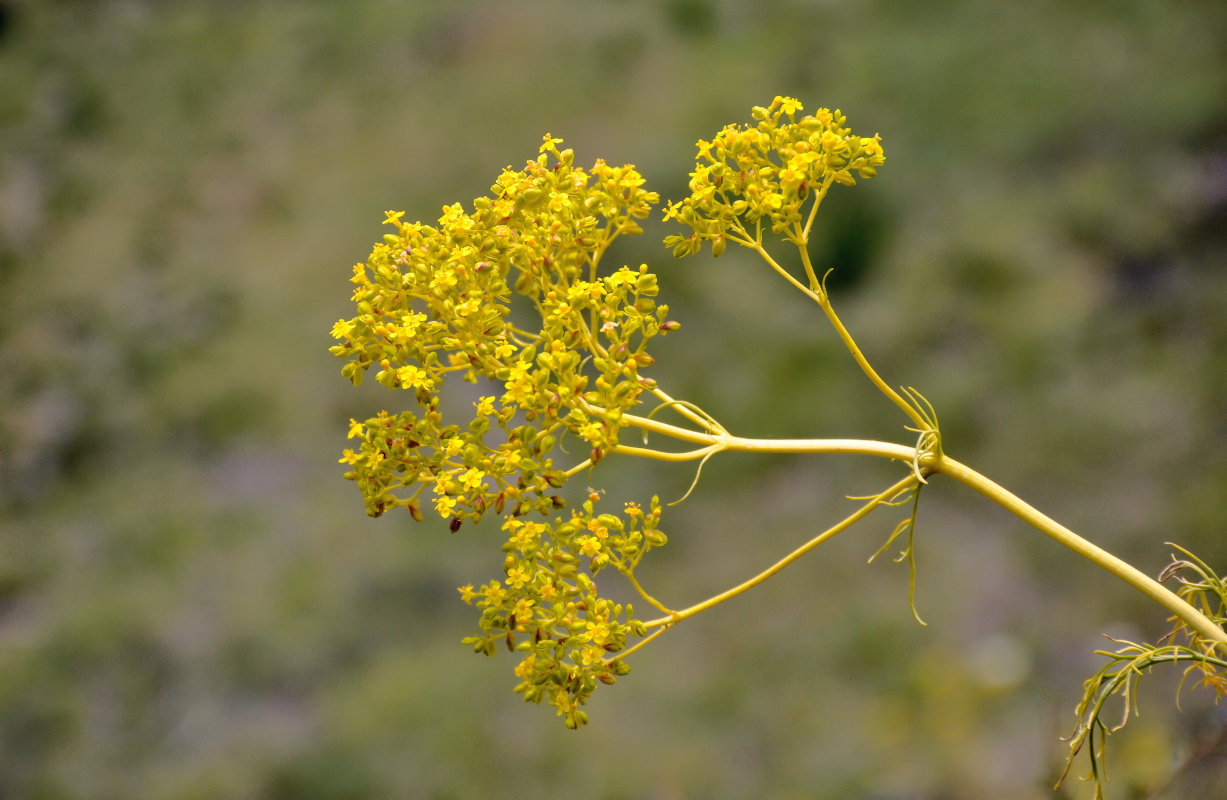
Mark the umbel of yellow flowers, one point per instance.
(434, 301)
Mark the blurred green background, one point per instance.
(192, 603)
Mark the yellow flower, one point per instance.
(523, 614)
(598, 631)
(791, 178)
(412, 377)
(589, 546)
(789, 105)
(355, 429)
(597, 528)
(443, 280)
(512, 459)
(591, 654)
(342, 329)
(472, 479)
(445, 506)
(525, 538)
(517, 577)
(469, 307)
(493, 593)
(519, 387)
(484, 406)
(525, 668)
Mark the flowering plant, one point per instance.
(516, 295)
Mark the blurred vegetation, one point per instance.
(192, 604)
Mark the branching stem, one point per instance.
(929, 463)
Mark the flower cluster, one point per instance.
(767, 173)
(547, 607)
(437, 300)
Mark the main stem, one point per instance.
(1121, 569)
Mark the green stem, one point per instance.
(710, 441)
(820, 297)
(1121, 569)
(885, 497)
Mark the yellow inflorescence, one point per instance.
(435, 301)
(747, 177)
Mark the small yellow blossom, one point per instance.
(524, 614)
(599, 530)
(789, 105)
(524, 669)
(592, 654)
(517, 577)
(414, 377)
(589, 546)
(493, 592)
(443, 280)
(472, 479)
(445, 505)
(598, 631)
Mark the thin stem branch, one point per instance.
(879, 499)
(813, 212)
(820, 297)
(659, 606)
(634, 647)
(897, 452)
(684, 409)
